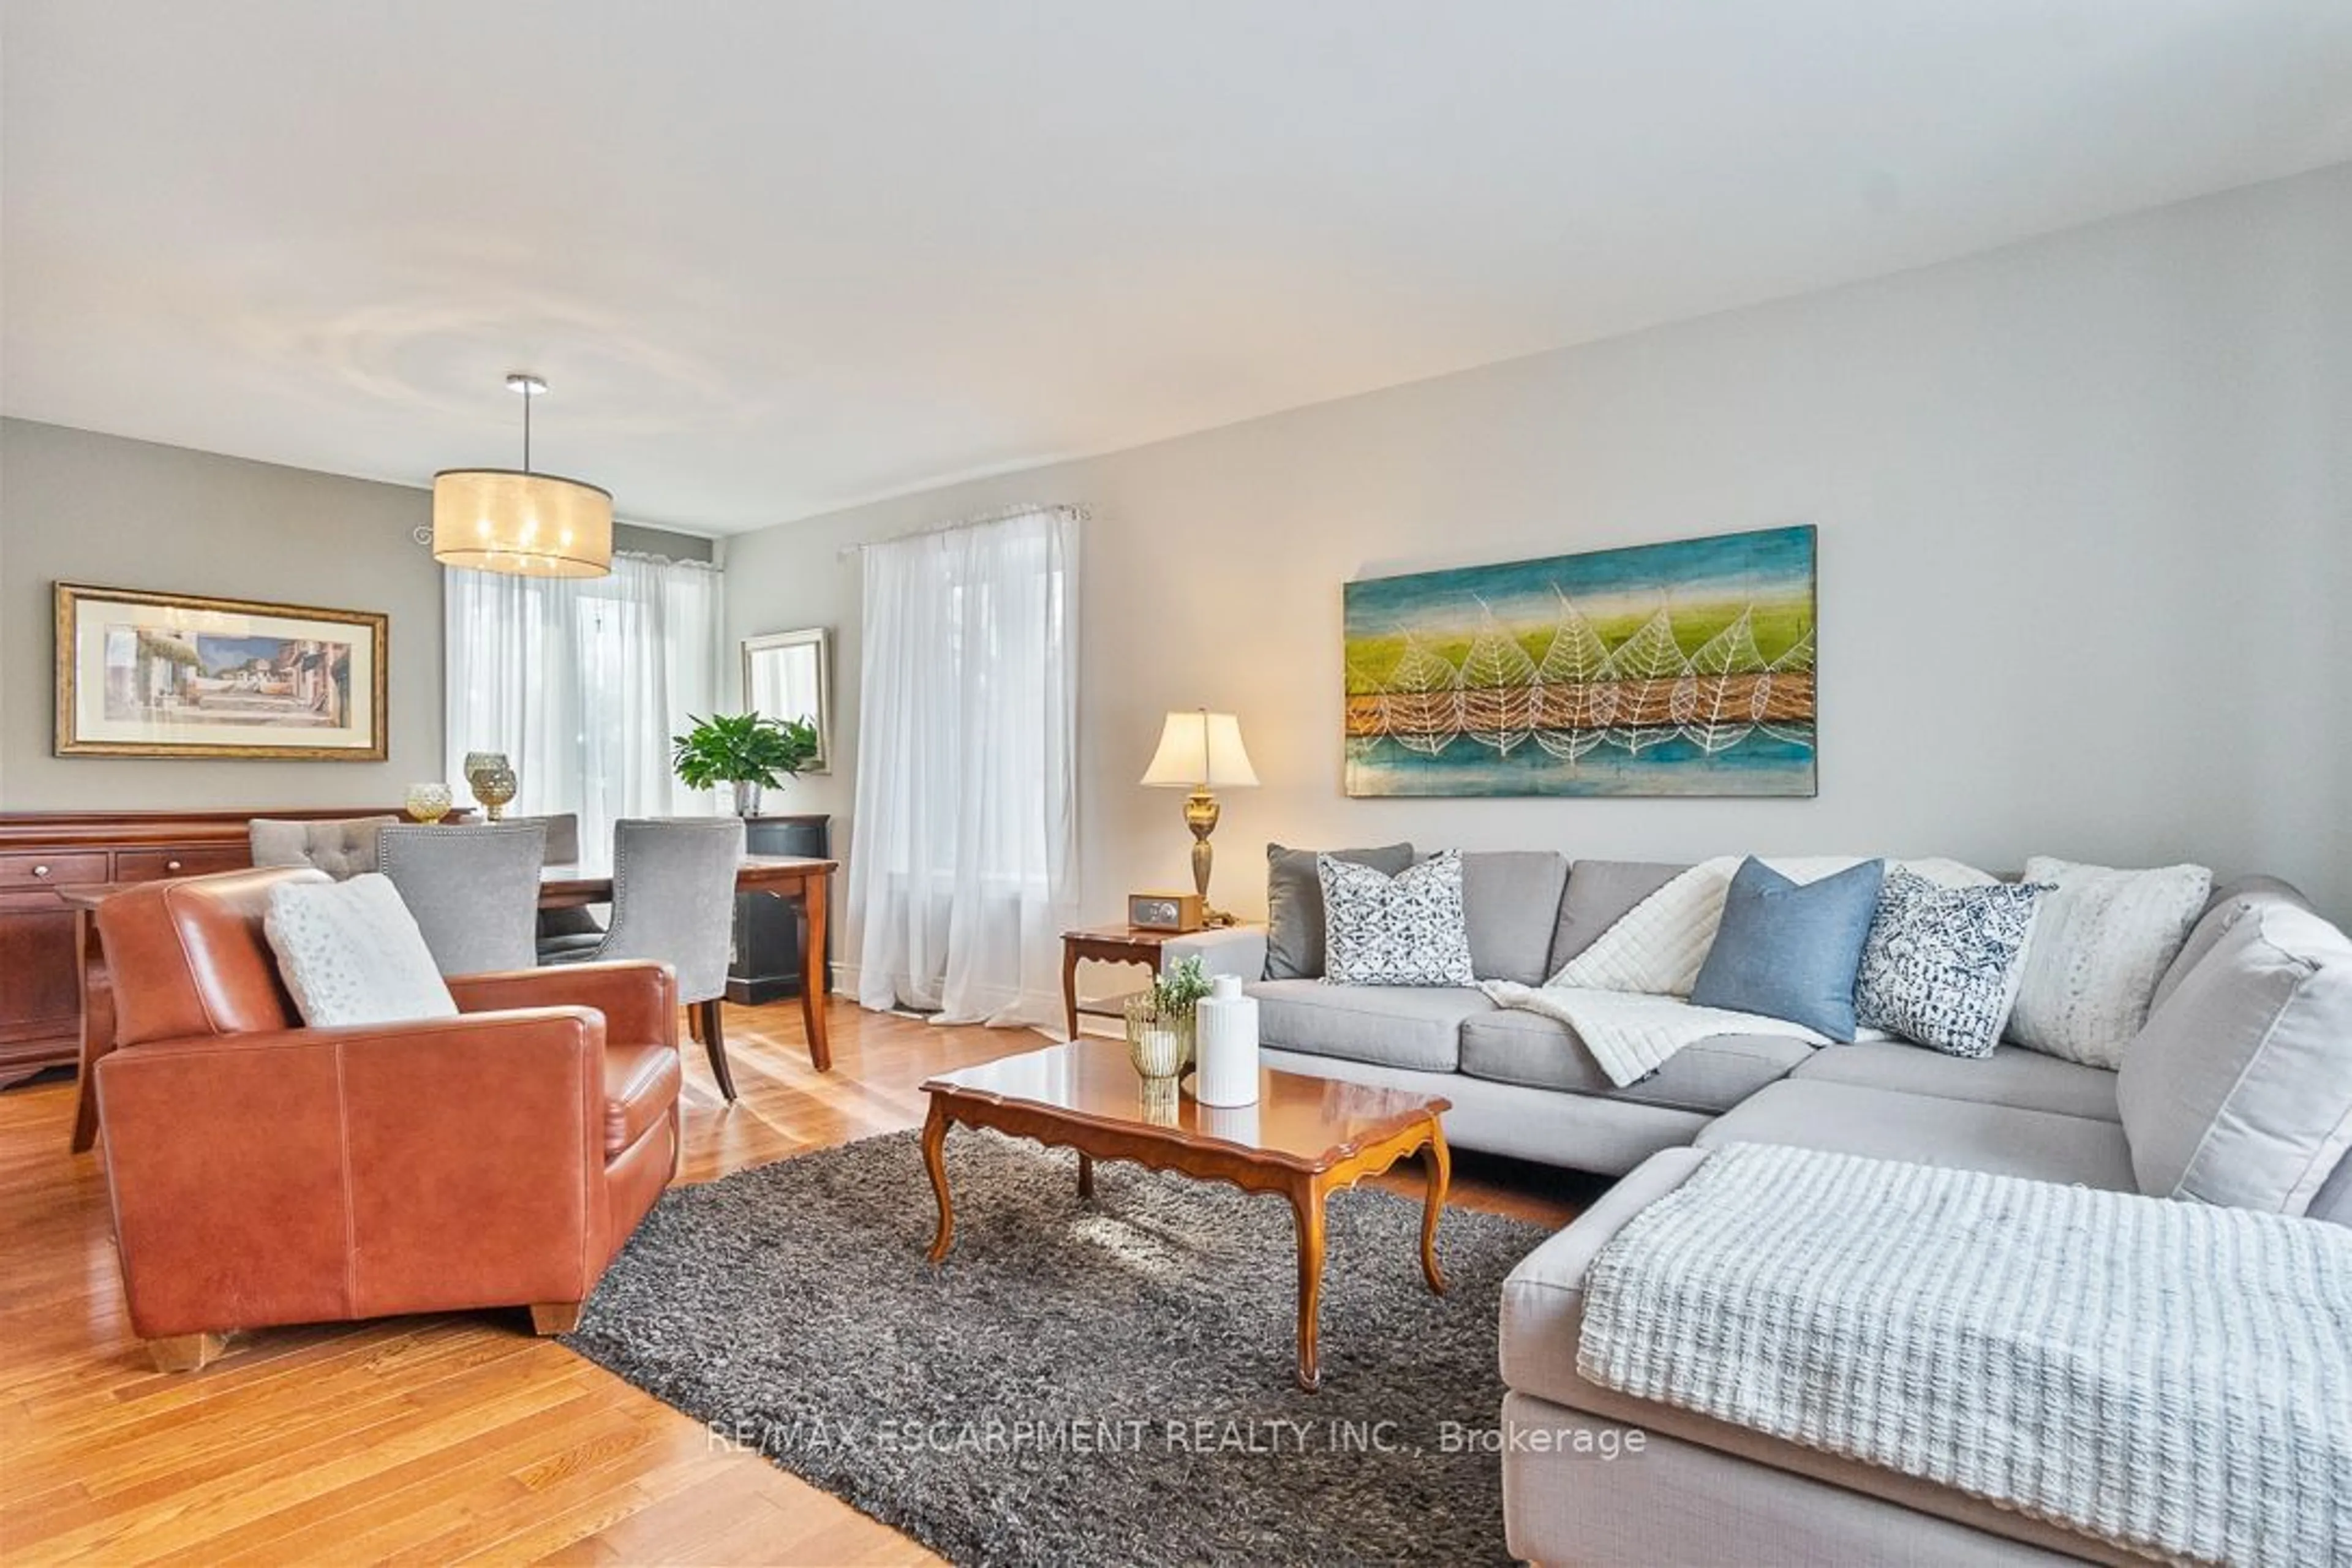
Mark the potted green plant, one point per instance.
(749, 750)
(1160, 1022)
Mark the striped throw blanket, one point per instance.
(2170, 1377)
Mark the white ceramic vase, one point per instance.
(1226, 1041)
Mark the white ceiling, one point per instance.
(779, 257)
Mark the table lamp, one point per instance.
(1201, 752)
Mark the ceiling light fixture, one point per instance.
(516, 522)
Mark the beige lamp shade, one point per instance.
(532, 525)
(1199, 748)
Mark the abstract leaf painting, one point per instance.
(1684, 669)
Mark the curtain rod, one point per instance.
(666, 560)
(1000, 514)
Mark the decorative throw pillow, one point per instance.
(2102, 941)
(1941, 964)
(2240, 1089)
(1405, 930)
(1294, 904)
(1791, 949)
(350, 953)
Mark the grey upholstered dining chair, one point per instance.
(674, 902)
(574, 928)
(343, 847)
(474, 889)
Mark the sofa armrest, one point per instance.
(1223, 950)
(639, 1000)
(314, 1175)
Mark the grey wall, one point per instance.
(82, 507)
(2086, 513)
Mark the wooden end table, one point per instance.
(1304, 1139)
(1104, 945)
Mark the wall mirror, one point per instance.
(789, 675)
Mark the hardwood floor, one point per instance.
(437, 1439)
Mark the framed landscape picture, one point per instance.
(169, 675)
(1684, 669)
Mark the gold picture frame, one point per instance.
(143, 673)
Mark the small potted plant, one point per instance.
(1160, 1022)
(749, 750)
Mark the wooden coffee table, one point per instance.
(1304, 1139)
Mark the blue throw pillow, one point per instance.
(1790, 951)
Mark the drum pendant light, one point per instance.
(516, 522)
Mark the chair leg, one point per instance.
(714, 1040)
(554, 1317)
(185, 1352)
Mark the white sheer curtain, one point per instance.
(964, 871)
(582, 681)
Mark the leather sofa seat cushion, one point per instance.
(1712, 1075)
(1962, 1134)
(2011, 1075)
(1510, 900)
(1413, 1026)
(641, 1083)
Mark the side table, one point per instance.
(1104, 945)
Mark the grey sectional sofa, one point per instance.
(1700, 1491)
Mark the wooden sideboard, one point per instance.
(41, 851)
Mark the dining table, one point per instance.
(563, 885)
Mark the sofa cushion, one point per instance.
(1294, 905)
(1600, 894)
(2101, 939)
(2010, 1076)
(2240, 1089)
(1927, 1129)
(1416, 1026)
(1791, 950)
(350, 953)
(2221, 908)
(1509, 1046)
(1405, 930)
(641, 1083)
(1511, 900)
(1942, 964)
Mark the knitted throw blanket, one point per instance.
(2168, 1377)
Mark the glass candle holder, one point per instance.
(492, 779)
(1158, 1045)
(429, 803)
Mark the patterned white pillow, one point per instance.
(350, 953)
(2101, 943)
(1405, 930)
(1941, 965)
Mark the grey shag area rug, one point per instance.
(1103, 1382)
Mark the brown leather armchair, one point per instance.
(263, 1172)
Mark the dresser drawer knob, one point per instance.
(170, 864)
(40, 870)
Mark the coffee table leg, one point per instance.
(1307, 1206)
(1439, 1167)
(1085, 1176)
(935, 1146)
